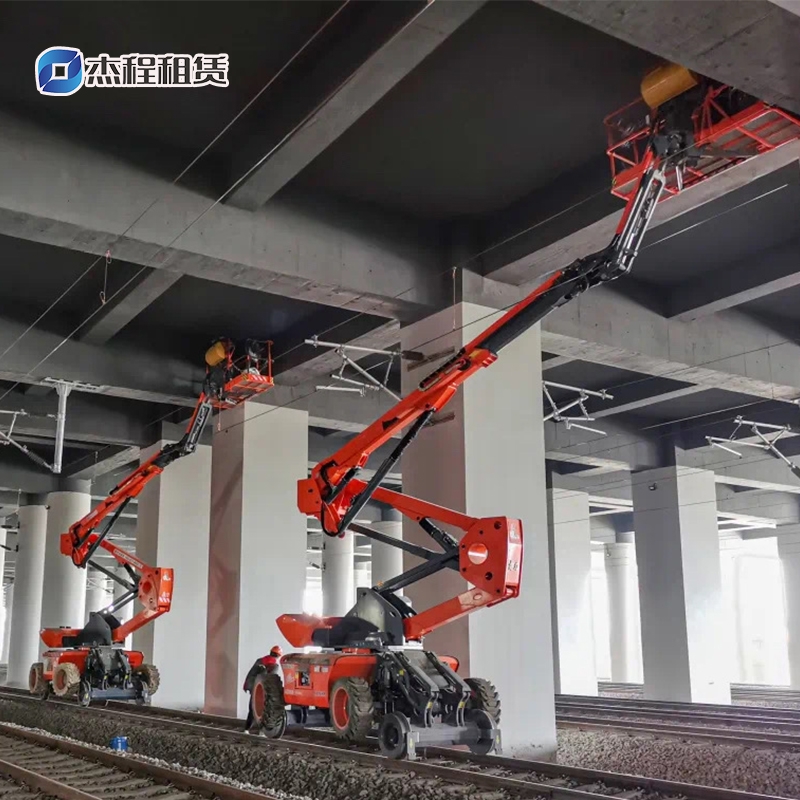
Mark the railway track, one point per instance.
(736, 725)
(492, 773)
(34, 764)
(740, 692)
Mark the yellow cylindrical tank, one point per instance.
(665, 82)
(215, 354)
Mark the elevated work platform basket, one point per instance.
(729, 127)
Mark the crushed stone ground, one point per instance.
(766, 771)
(268, 768)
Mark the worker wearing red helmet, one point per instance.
(268, 663)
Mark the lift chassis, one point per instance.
(372, 669)
(92, 662)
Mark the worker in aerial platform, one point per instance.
(268, 663)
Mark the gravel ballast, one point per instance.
(275, 768)
(746, 769)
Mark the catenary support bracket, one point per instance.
(558, 409)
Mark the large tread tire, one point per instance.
(268, 704)
(352, 709)
(66, 679)
(150, 677)
(37, 685)
(484, 697)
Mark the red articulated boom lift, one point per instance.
(91, 662)
(372, 669)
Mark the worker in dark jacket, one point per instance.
(268, 663)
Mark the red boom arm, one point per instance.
(489, 554)
(229, 381)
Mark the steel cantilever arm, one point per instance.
(333, 494)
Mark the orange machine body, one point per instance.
(309, 677)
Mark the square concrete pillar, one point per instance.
(485, 457)
(684, 646)
(789, 552)
(257, 558)
(173, 531)
(571, 592)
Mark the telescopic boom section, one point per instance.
(335, 496)
(230, 380)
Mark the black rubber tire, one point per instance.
(393, 735)
(353, 696)
(66, 679)
(37, 685)
(150, 677)
(268, 705)
(484, 697)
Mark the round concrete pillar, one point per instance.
(8, 608)
(23, 646)
(623, 613)
(64, 596)
(338, 575)
(387, 561)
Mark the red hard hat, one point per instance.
(276, 651)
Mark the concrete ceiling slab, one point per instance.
(487, 117)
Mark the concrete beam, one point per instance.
(746, 45)
(727, 351)
(533, 253)
(335, 253)
(622, 448)
(124, 372)
(774, 270)
(89, 469)
(642, 395)
(754, 483)
(117, 313)
(18, 474)
(316, 115)
(120, 371)
(91, 418)
(555, 361)
(301, 366)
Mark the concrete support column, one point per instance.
(172, 530)
(680, 586)
(338, 575)
(6, 616)
(789, 552)
(570, 541)
(387, 561)
(8, 607)
(729, 551)
(624, 629)
(64, 597)
(485, 457)
(257, 561)
(23, 647)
